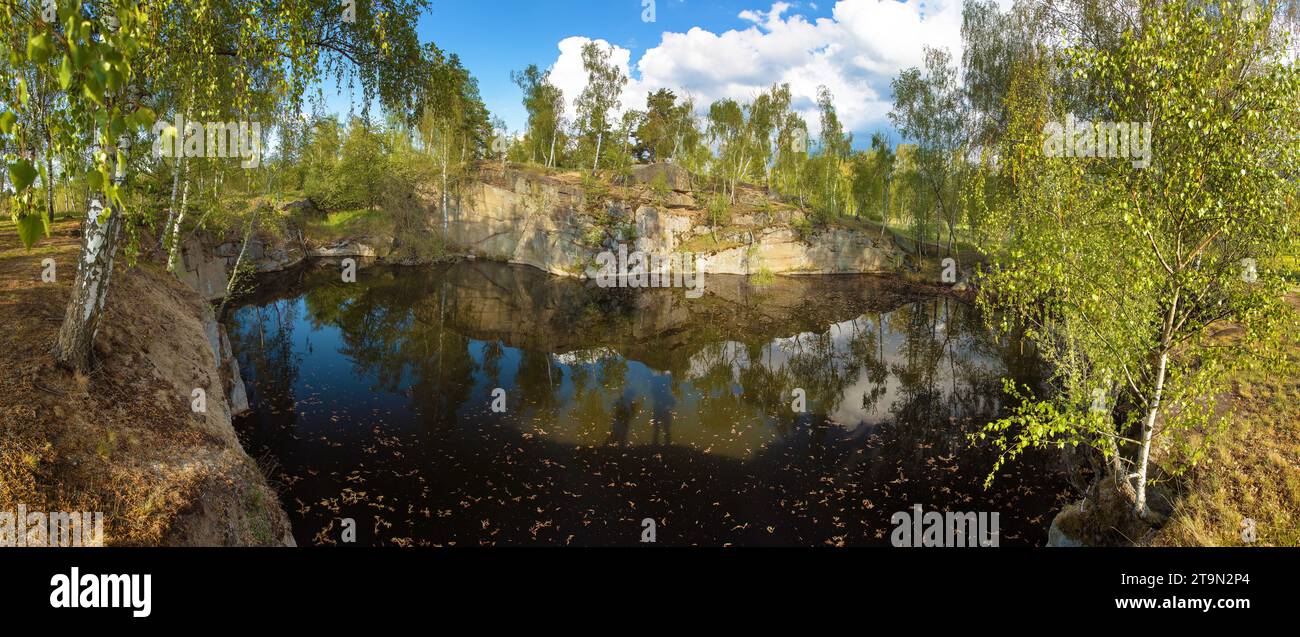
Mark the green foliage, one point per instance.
(31, 228)
(929, 109)
(660, 188)
(719, 211)
(362, 168)
(320, 160)
(605, 83)
(595, 194)
(545, 105)
(1117, 273)
(667, 128)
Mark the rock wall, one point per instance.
(205, 263)
(548, 222)
(551, 222)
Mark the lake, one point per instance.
(482, 403)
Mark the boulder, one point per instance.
(678, 178)
(345, 249)
(1069, 517)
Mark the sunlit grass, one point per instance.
(1286, 266)
(341, 224)
(1251, 472)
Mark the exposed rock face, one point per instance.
(675, 177)
(552, 223)
(344, 249)
(206, 268)
(534, 221)
(226, 363)
(547, 223)
(781, 251)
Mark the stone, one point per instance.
(513, 224)
(345, 249)
(677, 178)
(1057, 536)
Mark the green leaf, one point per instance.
(144, 117)
(65, 73)
(38, 47)
(113, 80)
(7, 121)
(22, 174)
(93, 90)
(30, 229)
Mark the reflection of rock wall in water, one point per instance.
(525, 308)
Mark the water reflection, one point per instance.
(375, 400)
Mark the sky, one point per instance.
(708, 48)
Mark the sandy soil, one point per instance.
(124, 439)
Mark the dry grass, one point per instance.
(121, 440)
(1251, 472)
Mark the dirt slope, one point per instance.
(123, 440)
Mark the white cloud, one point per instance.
(855, 52)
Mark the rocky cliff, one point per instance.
(560, 222)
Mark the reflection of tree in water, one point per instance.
(400, 328)
(720, 401)
(867, 348)
(396, 330)
(766, 384)
(262, 335)
(820, 368)
(539, 381)
(948, 375)
(493, 350)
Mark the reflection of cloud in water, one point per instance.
(585, 356)
(833, 349)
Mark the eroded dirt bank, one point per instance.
(125, 440)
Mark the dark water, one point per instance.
(375, 399)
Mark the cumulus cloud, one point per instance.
(855, 53)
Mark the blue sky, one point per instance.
(495, 37)
(709, 49)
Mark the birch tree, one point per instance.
(1121, 274)
(107, 57)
